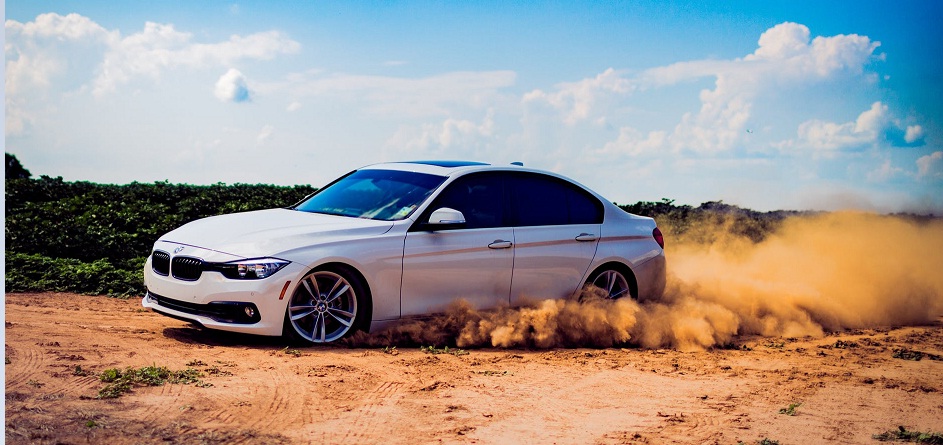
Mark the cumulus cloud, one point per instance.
(930, 167)
(872, 126)
(452, 135)
(232, 87)
(786, 57)
(52, 54)
(575, 100)
(161, 46)
(788, 45)
(38, 49)
(634, 143)
(913, 134)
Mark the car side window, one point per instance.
(480, 197)
(544, 200)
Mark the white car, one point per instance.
(398, 240)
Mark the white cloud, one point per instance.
(294, 106)
(265, 134)
(453, 135)
(885, 172)
(631, 142)
(161, 47)
(875, 125)
(58, 54)
(913, 134)
(787, 46)
(402, 97)
(785, 57)
(42, 58)
(576, 99)
(232, 87)
(36, 50)
(930, 167)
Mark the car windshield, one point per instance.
(374, 194)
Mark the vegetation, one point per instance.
(903, 435)
(94, 238)
(119, 382)
(699, 224)
(446, 350)
(791, 410)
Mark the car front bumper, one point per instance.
(216, 302)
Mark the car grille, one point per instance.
(186, 268)
(160, 262)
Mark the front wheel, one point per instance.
(325, 306)
(612, 282)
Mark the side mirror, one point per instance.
(445, 218)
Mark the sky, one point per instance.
(766, 105)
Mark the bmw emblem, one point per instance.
(178, 250)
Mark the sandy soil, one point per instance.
(850, 387)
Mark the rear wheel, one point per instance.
(326, 306)
(612, 282)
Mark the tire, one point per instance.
(327, 305)
(612, 282)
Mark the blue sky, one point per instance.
(767, 105)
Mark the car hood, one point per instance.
(264, 233)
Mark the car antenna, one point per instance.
(518, 163)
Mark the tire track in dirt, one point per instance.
(269, 396)
(23, 361)
(363, 424)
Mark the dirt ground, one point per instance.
(842, 388)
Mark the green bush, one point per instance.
(38, 273)
(93, 238)
(703, 224)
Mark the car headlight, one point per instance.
(251, 269)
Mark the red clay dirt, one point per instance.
(844, 388)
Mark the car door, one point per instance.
(556, 231)
(472, 261)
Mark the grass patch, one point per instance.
(120, 382)
(490, 373)
(446, 350)
(791, 410)
(903, 435)
(907, 354)
(841, 344)
(291, 352)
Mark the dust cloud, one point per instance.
(812, 275)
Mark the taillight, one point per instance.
(659, 238)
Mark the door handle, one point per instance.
(499, 244)
(586, 237)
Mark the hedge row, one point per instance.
(93, 238)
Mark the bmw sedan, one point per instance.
(400, 240)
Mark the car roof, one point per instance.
(439, 168)
(458, 168)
